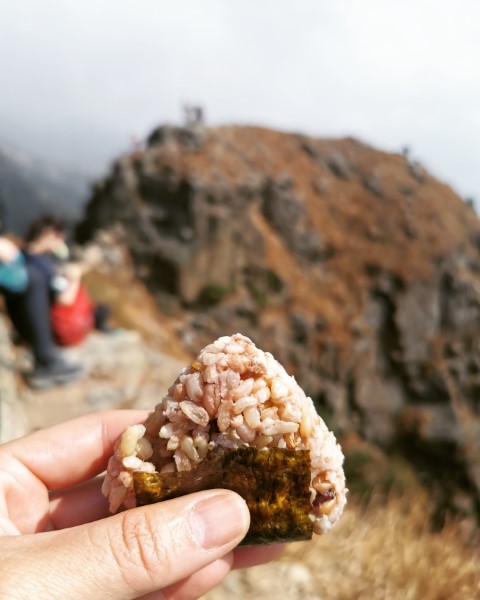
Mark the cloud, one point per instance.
(391, 73)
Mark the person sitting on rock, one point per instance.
(73, 314)
(29, 308)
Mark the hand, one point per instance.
(74, 271)
(8, 250)
(58, 541)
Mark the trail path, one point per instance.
(121, 371)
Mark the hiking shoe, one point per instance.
(56, 373)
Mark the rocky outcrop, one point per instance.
(356, 268)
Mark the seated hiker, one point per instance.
(73, 314)
(28, 305)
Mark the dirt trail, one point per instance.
(121, 371)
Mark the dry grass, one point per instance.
(384, 552)
(133, 308)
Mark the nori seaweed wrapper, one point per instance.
(273, 482)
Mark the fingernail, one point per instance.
(219, 519)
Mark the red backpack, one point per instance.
(71, 323)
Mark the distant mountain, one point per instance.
(30, 186)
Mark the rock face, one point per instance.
(358, 270)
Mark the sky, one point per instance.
(78, 80)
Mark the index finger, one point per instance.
(74, 451)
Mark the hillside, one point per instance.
(30, 187)
(358, 270)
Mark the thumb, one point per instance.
(133, 553)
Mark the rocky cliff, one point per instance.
(356, 268)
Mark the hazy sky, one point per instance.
(78, 79)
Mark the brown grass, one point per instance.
(385, 552)
(132, 307)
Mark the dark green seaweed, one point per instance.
(274, 483)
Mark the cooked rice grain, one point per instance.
(232, 395)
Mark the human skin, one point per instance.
(57, 539)
(8, 250)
